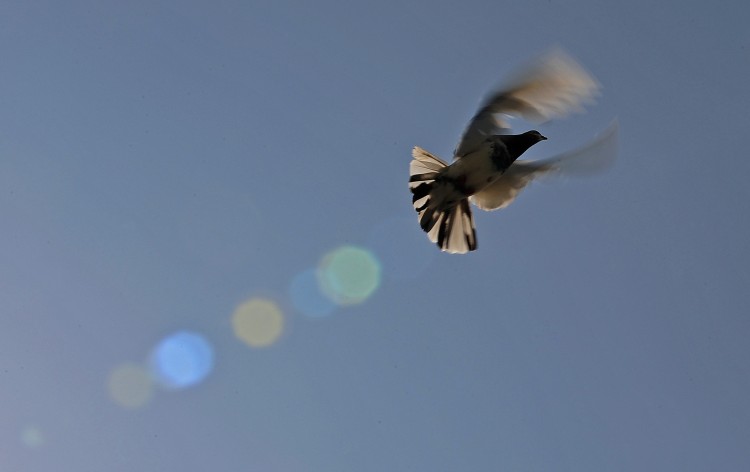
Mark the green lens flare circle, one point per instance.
(349, 275)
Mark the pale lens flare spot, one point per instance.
(130, 386)
(182, 360)
(349, 275)
(307, 297)
(32, 437)
(258, 322)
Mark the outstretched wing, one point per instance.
(594, 157)
(504, 190)
(551, 87)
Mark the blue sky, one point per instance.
(162, 165)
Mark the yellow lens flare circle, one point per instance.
(130, 386)
(258, 322)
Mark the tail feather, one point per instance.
(452, 229)
(457, 233)
(424, 162)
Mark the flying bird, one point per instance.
(485, 170)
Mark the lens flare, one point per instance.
(258, 322)
(307, 297)
(182, 360)
(32, 437)
(349, 275)
(130, 386)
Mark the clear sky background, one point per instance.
(164, 164)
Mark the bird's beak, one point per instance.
(544, 138)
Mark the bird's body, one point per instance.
(481, 167)
(485, 169)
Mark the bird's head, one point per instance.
(536, 135)
(517, 144)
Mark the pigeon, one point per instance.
(485, 170)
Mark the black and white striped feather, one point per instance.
(452, 229)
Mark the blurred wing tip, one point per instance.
(593, 158)
(551, 87)
(612, 131)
